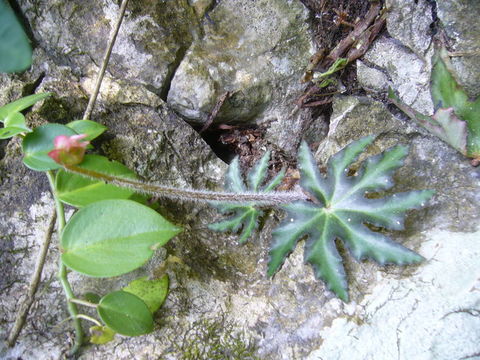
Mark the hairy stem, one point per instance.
(270, 198)
(34, 282)
(62, 271)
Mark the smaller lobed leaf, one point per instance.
(258, 173)
(244, 215)
(233, 177)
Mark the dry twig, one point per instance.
(34, 282)
(106, 59)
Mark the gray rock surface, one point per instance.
(402, 69)
(410, 23)
(460, 21)
(255, 50)
(154, 37)
(434, 314)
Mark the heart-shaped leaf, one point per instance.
(80, 191)
(37, 144)
(91, 128)
(112, 237)
(152, 292)
(125, 313)
(15, 50)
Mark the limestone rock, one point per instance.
(407, 74)
(410, 23)
(254, 50)
(154, 36)
(434, 314)
(460, 21)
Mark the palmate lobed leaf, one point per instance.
(245, 216)
(341, 211)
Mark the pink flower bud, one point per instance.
(68, 149)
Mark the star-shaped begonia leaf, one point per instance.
(245, 215)
(340, 210)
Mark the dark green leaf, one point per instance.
(343, 210)
(15, 50)
(91, 128)
(37, 144)
(79, 191)
(125, 313)
(244, 215)
(112, 237)
(152, 292)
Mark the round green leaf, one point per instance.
(91, 128)
(80, 191)
(37, 144)
(125, 313)
(15, 50)
(112, 237)
(152, 292)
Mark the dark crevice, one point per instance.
(172, 69)
(434, 26)
(24, 21)
(30, 88)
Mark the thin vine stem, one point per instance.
(267, 198)
(62, 271)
